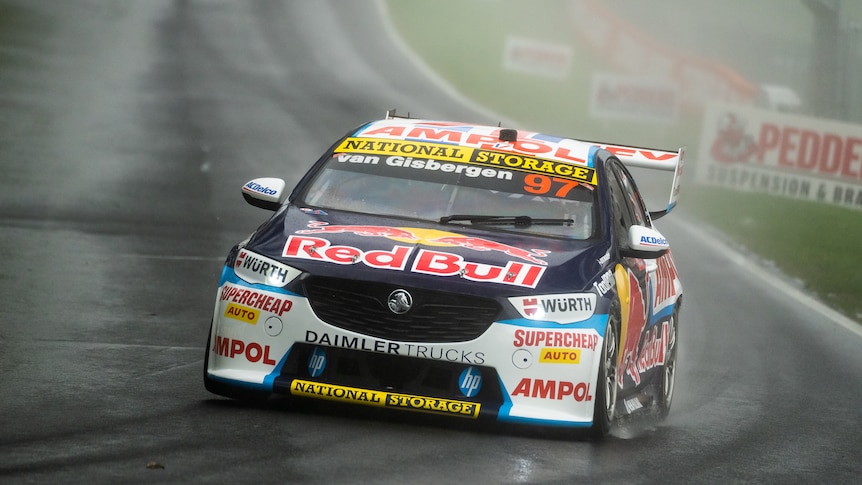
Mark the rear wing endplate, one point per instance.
(657, 160)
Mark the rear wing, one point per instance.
(640, 157)
(657, 160)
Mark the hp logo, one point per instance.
(470, 381)
(316, 362)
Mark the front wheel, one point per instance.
(606, 390)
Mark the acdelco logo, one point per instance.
(261, 189)
(653, 241)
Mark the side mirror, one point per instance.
(645, 243)
(266, 193)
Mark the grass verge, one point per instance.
(817, 244)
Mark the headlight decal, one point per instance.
(560, 308)
(257, 269)
(229, 276)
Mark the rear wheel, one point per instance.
(669, 368)
(606, 389)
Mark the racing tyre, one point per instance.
(606, 389)
(222, 389)
(669, 368)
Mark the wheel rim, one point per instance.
(670, 362)
(610, 364)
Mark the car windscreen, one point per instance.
(458, 191)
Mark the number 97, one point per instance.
(542, 185)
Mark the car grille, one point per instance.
(387, 372)
(435, 316)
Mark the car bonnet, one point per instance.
(451, 257)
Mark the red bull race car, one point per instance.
(476, 272)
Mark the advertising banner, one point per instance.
(755, 150)
(537, 57)
(632, 99)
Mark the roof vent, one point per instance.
(508, 134)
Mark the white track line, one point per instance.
(700, 232)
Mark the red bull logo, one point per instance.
(651, 354)
(637, 319)
(434, 263)
(431, 237)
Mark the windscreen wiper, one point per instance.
(517, 221)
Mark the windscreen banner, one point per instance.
(755, 150)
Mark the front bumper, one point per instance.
(268, 338)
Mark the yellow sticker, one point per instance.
(320, 390)
(437, 151)
(560, 356)
(242, 313)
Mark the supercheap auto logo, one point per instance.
(525, 269)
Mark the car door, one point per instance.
(632, 274)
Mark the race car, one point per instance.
(477, 272)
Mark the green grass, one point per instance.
(816, 243)
(463, 41)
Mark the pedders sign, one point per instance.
(795, 156)
(813, 147)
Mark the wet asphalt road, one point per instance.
(126, 130)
